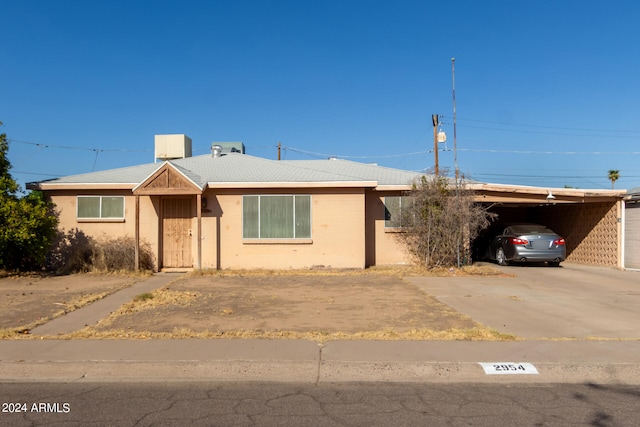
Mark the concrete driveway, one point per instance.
(571, 301)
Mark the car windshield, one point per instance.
(530, 229)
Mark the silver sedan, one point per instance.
(527, 243)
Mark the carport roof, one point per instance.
(504, 193)
(633, 194)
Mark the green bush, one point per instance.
(27, 221)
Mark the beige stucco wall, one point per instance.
(66, 205)
(347, 229)
(337, 233)
(383, 246)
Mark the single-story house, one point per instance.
(230, 210)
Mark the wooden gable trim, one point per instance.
(166, 181)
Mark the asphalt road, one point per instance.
(338, 404)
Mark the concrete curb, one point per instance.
(307, 372)
(603, 362)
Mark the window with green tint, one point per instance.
(250, 217)
(88, 207)
(101, 207)
(112, 207)
(395, 210)
(303, 216)
(276, 217)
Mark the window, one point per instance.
(395, 209)
(100, 207)
(276, 217)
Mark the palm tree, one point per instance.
(614, 175)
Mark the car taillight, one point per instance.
(559, 241)
(517, 241)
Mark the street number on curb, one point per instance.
(508, 368)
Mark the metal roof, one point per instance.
(241, 168)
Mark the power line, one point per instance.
(551, 133)
(551, 176)
(324, 155)
(36, 173)
(478, 150)
(551, 127)
(67, 147)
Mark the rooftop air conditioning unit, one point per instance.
(230, 147)
(169, 147)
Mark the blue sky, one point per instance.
(547, 92)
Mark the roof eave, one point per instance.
(394, 187)
(571, 192)
(294, 184)
(49, 186)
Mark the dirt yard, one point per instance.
(325, 304)
(30, 301)
(316, 305)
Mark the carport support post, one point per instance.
(199, 213)
(620, 206)
(136, 261)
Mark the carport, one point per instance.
(589, 220)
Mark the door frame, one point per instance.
(162, 232)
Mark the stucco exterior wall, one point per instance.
(66, 207)
(337, 233)
(383, 246)
(347, 230)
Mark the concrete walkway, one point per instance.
(92, 313)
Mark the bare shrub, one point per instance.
(118, 254)
(70, 252)
(441, 221)
(75, 252)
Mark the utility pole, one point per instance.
(434, 119)
(453, 85)
(279, 146)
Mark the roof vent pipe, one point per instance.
(216, 150)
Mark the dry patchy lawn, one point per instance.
(28, 301)
(319, 305)
(316, 306)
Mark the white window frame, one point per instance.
(100, 217)
(294, 239)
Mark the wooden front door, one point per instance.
(177, 216)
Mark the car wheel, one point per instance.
(554, 264)
(501, 258)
